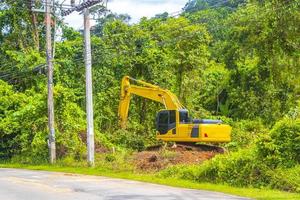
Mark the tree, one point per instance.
(198, 5)
(102, 20)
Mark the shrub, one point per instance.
(242, 168)
(23, 124)
(244, 133)
(127, 139)
(110, 157)
(239, 168)
(282, 146)
(287, 179)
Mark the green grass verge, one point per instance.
(264, 194)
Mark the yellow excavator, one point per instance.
(172, 123)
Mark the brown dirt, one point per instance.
(158, 159)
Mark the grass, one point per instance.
(264, 194)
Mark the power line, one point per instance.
(9, 76)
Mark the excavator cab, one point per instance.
(166, 120)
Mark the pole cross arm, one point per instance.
(81, 7)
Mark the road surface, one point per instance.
(18, 184)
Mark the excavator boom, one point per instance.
(146, 90)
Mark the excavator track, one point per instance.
(200, 147)
(187, 146)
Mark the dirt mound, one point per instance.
(156, 160)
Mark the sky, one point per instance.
(135, 8)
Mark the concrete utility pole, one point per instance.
(89, 89)
(52, 148)
(88, 73)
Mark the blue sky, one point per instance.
(135, 8)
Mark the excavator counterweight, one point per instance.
(173, 123)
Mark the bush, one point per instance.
(244, 133)
(102, 140)
(23, 124)
(282, 146)
(127, 139)
(240, 168)
(110, 158)
(116, 161)
(286, 179)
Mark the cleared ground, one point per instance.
(17, 184)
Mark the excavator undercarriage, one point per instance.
(189, 146)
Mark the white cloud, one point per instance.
(145, 8)
(75, 20)
(135, 8)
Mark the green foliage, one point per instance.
(245, 133)
(110, 158)
(196, 5)
(215, 80)
(282, 145)
(262, 85)
(19, 26)
(294, 113)
(128, 139)
(23, 124)
(241, 169)
(101, 21)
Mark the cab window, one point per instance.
(165, 121)
(183, 117)
(163, 118)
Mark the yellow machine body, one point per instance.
(172, 123)
(195, 132)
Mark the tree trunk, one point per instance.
(34, 22)
(179, 82)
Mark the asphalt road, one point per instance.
(18, 184)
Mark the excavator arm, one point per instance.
(146, 90)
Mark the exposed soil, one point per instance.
(157, 159)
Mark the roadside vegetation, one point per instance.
(238, 61)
